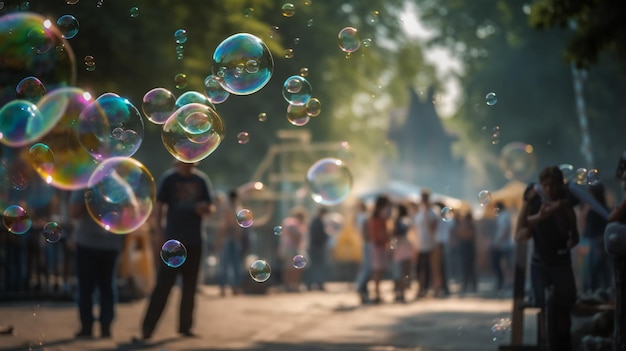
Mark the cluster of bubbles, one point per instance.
(180, 38)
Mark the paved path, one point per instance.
(331, 320)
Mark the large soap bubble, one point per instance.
(330, 181)
(193, 132)
(33, 46)
(110, 126)
(72, 164)
(243, 64)
(518, 161)
(120, 194)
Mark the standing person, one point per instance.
(97, 252)
(466, 235)
(184, 197)
(402, 252)
(363, 276)
(317, 249)
(229, 244)
(502, 244)
(441, 251)
(548, 218)
(426, 227)
(599, 263)
(379, 238)
(291, 244)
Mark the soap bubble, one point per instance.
(288, 10)
(68, 25)
(16, 220)
(243, 137)
(447, 214)
(52, 232)
(41, 157)
(21, 123)
(299, 261)
(189, 141)
(297, 90)
(90, 63)
(278, 230)
(518, 161)
(304, 71)
(110, 126)
(330, 181)
(313, 107)
(214, 91)
(484, 197)
(121, 195)
(568, 171)
(180, 36)
(31, 89)
(232, 56)
(593, 177)
(190, 97)
(297, 115)
(173, 253)
(245, 218)
(262, 117)
(491, 99)
(581, 176)
(180, 80)
(349, 39)
(134, 12)
(158, 105)
(260, 271)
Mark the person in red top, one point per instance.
(379, 236)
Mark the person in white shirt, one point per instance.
(502, 244)
(440, 253)
(426, 228)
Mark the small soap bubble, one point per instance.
(288, 53)
(180, 80)
(581, 176)
(297, 115)
(367, 42)
(484, 197)
(180, 36)
(248, 12)
(500, 327)
(134, 12)
(373, 17)
(173, 253)
(90, 63)
(288, 10)
(245, 218)
(68, 25)
(304, 71)
(262, 117)
(260, 271)
(299, 261)
(31, 89)
(313, 107)
(52, 232)
(278, 230)
(72, 2)
(252, 66)
(41, 157)
(297, 90)
(568, 172)
(349, 39)
(16, 220)
(243, 137)
(18, 180)
(447, 214)
(593, 177)
(296, 41)
(309, 22)
(491, 99)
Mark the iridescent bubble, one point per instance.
(260, 271)
(330, 181)
(288, 10)
(491, 99)
(31, 89)
(214, 90)
(158, 105)
(121, 194)
(252, 66)
(41, 157)
(16, 220)
(191, 97)
(90, 63)
(180, 80)
(297, 115)
(180, 36)
(593, 177)
(72, 163)
(484, 197)
(297, 90)
(304, 71)
(68, 25)
(134, 12)
(52, 232)
(447, 214)
(110, 126)
(299, 261)
(288, 53)
(262, 117)
(313, 107)
(21, 123)
(237, 50)
(349, 39)
(245, 218)
(581, 176)
(190, 147)
(243, 137)
(518, 161)
(39, 41)
(173, 253)
(568, 171)
(278, 230)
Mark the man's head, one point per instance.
(551, 181)
(425, 197)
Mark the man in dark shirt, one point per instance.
(549, 219)
(318, 238)
(185, 195)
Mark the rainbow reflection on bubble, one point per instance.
(16, 220)
(120, 195)
(31, 48)
(21, 123)
(330, 181)
(110, 126)
(297, 115)
(243, 64)
(31, 89)
(191, 97)
(158, 105)
(73, 165)
(52, 232)
(214, 91)
(260, 271)
(173, 253)
(297, 90)
(349, 40)
(192, 133)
